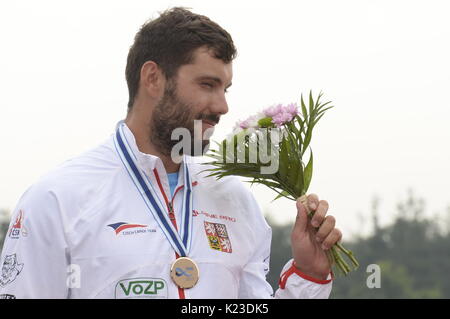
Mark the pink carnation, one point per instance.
(244, 124)
(281, 118)
(273, 110)
(292, 108)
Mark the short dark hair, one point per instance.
(170, 41)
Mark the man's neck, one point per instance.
(142, 135)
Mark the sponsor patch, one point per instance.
(130, 229)
(141, 288)
(17, 228)
(218, 237)
(11, 268)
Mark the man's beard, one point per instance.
(172, 113)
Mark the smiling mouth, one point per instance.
(210, 123)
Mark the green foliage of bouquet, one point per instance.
(269, 148)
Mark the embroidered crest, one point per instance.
(218, 237)
(18, 227)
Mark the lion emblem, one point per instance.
(10, 269)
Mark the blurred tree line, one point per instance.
(413, 254)
(4, 223)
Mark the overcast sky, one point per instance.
(384, 64)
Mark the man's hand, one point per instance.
(312, 237)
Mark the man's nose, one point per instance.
(220, 105)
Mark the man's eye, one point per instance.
(209, 85)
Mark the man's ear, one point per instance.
(152, 80)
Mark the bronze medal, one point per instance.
(184, 272)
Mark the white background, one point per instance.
(384, 64)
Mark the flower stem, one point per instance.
(333, 254)
(349, 254)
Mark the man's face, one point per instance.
(197, 92)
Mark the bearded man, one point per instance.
(131, 218)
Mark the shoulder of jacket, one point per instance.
(78, 174)
(62, 193)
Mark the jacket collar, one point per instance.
(149, 162)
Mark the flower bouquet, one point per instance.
(269, 148)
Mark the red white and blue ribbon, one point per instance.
(181, 243)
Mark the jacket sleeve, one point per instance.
(292, 285)
(253, 283)
(34, 255)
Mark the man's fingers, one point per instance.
(326, 228)
(333, 237)
(302, 217)
(320, 213)
(313, 201)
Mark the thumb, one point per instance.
(301, 221)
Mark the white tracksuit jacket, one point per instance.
(83, 231)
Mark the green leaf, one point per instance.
(304, 111)
(293, 141)
(295, 173)
(301, 125)
(282, 194)
(318, 98)
(293, 129)
(311, 103)
(308, 173)
(299, 185)
(283, 161)
(325, 109)
(294, 160)
(322, 106)
(317, 119)
(271, 184)
(307, 139)
(224, 150)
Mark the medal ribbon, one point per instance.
(181, 244)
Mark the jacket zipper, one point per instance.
(169, 205)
